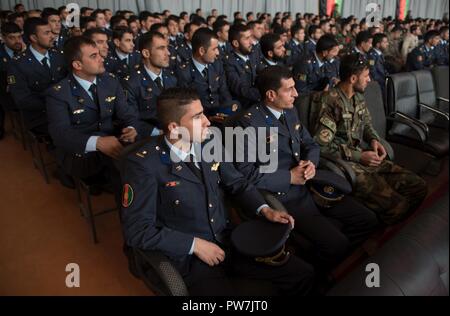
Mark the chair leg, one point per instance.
(91, 217)
(80, 200)
(31, 140)
(41, 163)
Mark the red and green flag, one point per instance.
(402, 9)
(331, 4)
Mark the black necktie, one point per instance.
(205, 73)
(158, 83)
(125, 61)
(45, 64)
(93, 90)
(191, 165)
(282, 120)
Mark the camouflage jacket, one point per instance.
(341, 125)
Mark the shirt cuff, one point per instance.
(191, 252)
(156, 132)
(91, 144)
(258, 211)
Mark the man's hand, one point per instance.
(208, 252)
(310, 169)
(298, 175)
(110, 146)
(277, 216)
(128, 135)
(370, 159)
(379, 149)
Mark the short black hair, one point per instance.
(97, 12)
(183, 14)
(72, 48)
(295, 29)
(430, 35)
(31, 25)
(270, 78)
(171, 105)
(312, 29)
(61, 9)
(155, 27)
(17, 6)
(10, 28)
(172, 17)
(115, 20)
(413, 28)
(267, 43)
(120, 31)
(325, 43)
(91, 32)
(146, 40)
(218, 25)
(249, 14)
(378, 38)
(443, 29)
(363, 37)
(235, 14)
(236, 31)
(202, 38)
(84, 20)
(84, 9)
(48, 12)
(278, 29)
(352, 64)
(144, 15)
(187, 27)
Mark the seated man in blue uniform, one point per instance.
(204, 73)
(83, 112)
(126, 57)
(33, 71)
(298, 156)
(424, 56)
(173, 203)
(146, 83)
(318, 71)
(13, 45)
(241, 65)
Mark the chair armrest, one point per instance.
(414, 121)
(434, 110)
(272, 200)
(442, 99)
(419, 131)
(164, 277)
(335, 164)
(389, 150)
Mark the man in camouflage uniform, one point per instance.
(342, 126)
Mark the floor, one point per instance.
(41, 232)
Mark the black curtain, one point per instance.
(323, 7)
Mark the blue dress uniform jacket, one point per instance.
(213, 90)
(122, 69)
(294, 52)
(5, 97)
(28, 80)
(73, 115)
(294, 144)
(377, 68)
(441, 52)
(142, 93)
(165, 205)
(310, 76)
(184, 53)
(310, 47)
(241, 79)
(421, 58)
